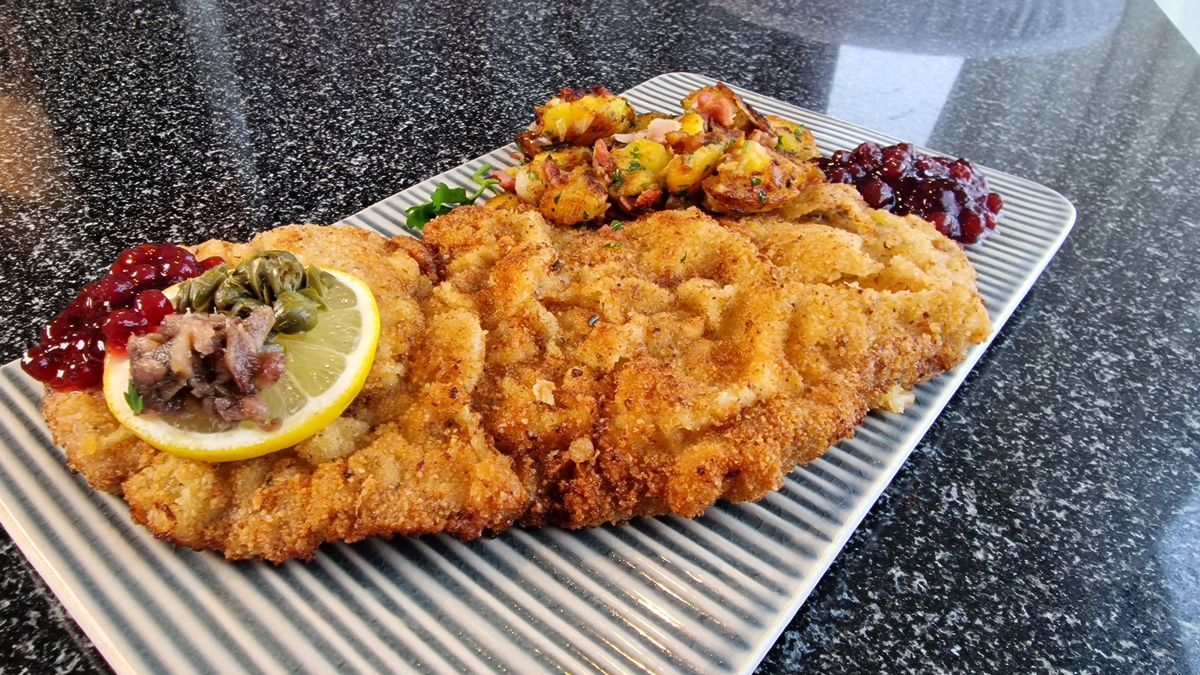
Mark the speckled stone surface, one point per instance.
(1051, 517)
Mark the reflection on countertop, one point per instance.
(978, 28)
(1048, 519)
(1179, 556)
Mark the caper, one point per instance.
(295, 313)
(314, 296)
(269, 273)
(197, 294)
(314, 280)
(273, 279)
(242, 306)
(228, 294)
(316, 284)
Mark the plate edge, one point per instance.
(76, 608)
(107, 648)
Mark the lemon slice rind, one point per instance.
(247, 440)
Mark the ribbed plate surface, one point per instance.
(660, 595)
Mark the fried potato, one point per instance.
(684, 172)
(793, 139)
(724, 109)
(575, 198)
(753, 178)
(583, 118)
(720, 153)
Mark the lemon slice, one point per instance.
(326, 368)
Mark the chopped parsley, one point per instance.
(617, 224)
(134, 398)
(755, 181)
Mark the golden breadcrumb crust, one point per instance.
(405, 458)
(536, 375)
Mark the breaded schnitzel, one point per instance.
(689, 360)
(533, 374)
(405, 458)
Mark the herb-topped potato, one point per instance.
(588, 158)
(753, 178)
(580, 118)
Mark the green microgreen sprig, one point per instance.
(445, 198)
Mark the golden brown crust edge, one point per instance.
(712, 358)
(494, 401)
(428, 469)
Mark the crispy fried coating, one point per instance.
(407, 457)
(689, 360)
(535, 374)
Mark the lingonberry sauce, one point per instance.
(948, 193)
(126, 301)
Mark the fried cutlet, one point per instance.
(405, 458)
(685, 360)
(534, 374)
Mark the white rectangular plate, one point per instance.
(658, 594)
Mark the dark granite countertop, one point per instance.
(1049, 520)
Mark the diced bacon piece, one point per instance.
(602, 161)
(658, 129)
(507, 182)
